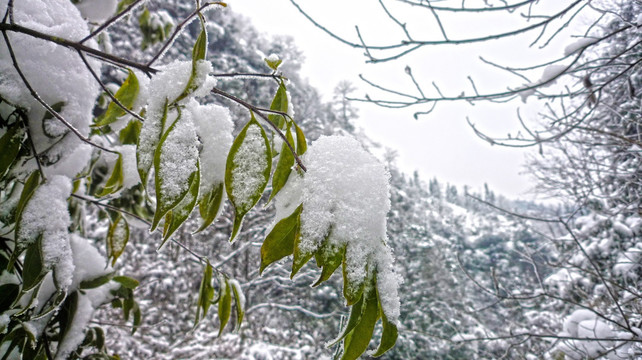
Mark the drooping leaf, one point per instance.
(126, 95)
(163, 203)
(96, 282)
(210, 205)
(123, 4)
(355, 316)
(301, 256)
(279, 243)
(357, 342)
(247, 170)
(390, 332)
(352, 290)
(34, 270)
(182, 211)
(283, 166)
(117, 238)
(301, 143)
(224, 304)
(116, 179)
(126, 281)
(329, 257)
(239, 300)
(130, 133)
(205, 294)
(10, 144)
(137, 317)
(279, 103)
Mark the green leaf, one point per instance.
(210, 205)
(127, 95)
(10, 144)
(205, 294)
(247, 170)
(280, 241)
(355, 315)
(116, 179)
(96, 282)
(283, 166)
(239, 300)
(181, 212)
(137, 318)
(33, 271)
(280, 103)
(123, 4)
(164, 205)
(224, 304)
(117, 238)
(142, 164)
(273, 64)
(9, 294)
(126, 282)
(301, 257)
(199, 52)
(357, 343)
(130, 133)
(390, 331)
(352, 291)
(329, 257)
(301, 144)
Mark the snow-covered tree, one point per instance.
(86, 164)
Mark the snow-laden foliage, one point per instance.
(84, 169)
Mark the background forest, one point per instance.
(483, 276)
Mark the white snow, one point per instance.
(56, 74)
(250, 163)
(214, 128)
(97, 10)
(178, 158)
(46, 213)
(346, 190)
(578, 45)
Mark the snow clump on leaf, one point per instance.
(346, 199)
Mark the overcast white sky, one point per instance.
(440, 145)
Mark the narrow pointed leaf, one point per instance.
(329, 257)
(355, 315)
(126, 282)
(182, 211)
(280, 241)
(301, 256)
(224, 304)
(239, 300)
(352, 290)
(283, 166)
(126, 95)
(280, 103)
(205, 294)
(362, 332)
(116, 179)
(389, 335)
(301, 143)
(247, 170)
(96, 282)
(210, 206)
(199, 52)
(117, 238)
